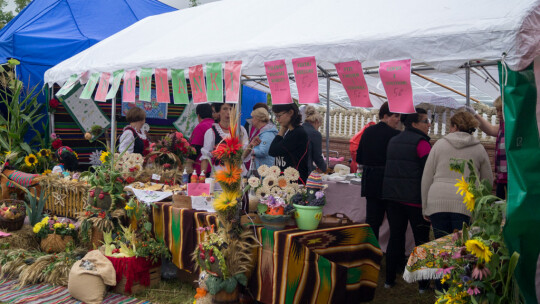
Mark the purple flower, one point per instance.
(444, 254)
(465, 279)
(319, 194)
(480, 272)
(473, 291)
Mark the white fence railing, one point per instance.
(346, 123)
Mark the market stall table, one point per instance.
(345, 198)
(422, 263)
(333, 265)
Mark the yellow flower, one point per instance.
(225, 200)
(128, 207)
(45, 220)
(469, 201)
(463, 186)
(71, 226)
(31, 160)
(57, 225)
(445, 278)
(76, 155)
(46, 172)
(44, 152)
(479, 249)
(104, 156)
(37, 227)
(429, 264)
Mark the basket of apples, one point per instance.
(12, 214)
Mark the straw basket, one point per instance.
(17, 223)
(64, 198)
(55, 243)
(96, 238)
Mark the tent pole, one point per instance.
(113, 125)
(467, 84)
(327, 114)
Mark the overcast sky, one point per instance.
(179, 4)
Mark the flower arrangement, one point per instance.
(274, 183)
(129, 243)
(53, 105)
(171, 145)
(312, 194)
(51, 225)
(480, 269)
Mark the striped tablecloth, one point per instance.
(334, 265)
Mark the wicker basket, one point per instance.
(13, 224)
(64, 198)
(55, 243)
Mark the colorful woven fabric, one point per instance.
(44, 294)
(334, 265)
(21, 178)
(178, 228)
(422, 264)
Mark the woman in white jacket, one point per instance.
(440, 203)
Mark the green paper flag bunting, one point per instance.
(68, 86)
(145, 84)
(214, 82)
(117, 78)
(90, 86)
(180, 91)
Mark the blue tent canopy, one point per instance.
(47, 32)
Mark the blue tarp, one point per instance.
(47, 32)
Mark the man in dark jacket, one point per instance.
(406, 156)
(371, 154)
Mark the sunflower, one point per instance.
(229, 175)
(479, 249)
(104, 157)
(31, 160)
(469, 201)
(44, 153)
(462, 185)
(225, 201)
(45, 172)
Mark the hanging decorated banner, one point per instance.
(307, 82)
(117, 78)
(214, 82)
(103, 87)
(180, 91)
(233, 71)
(128, 93)
(68, 86)
(278, 80)
(352, 78)
(162, 86)
(396, 79)
(198, 88)
(85, 112)
(145, 84)
(90, 86)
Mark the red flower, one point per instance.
(132, 169)
(54, 103)
(166, 166)
(130, 179)
(102, 214)
(56, 144)
(119, 180)
(101, 195)
(229, 148)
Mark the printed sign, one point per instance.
(162, 86)
(352, 78)
(198, 87)
(198, 189)
(117, 78)
(84, 111)
(103, 87)
(145, 84)
(278, 80)
(396, 79)
(128, 94)
(180, 91)
(233, 70)
(214, 82)
(307, 82)
(152, 108)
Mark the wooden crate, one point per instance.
(155, 279)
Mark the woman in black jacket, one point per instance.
(290, 146)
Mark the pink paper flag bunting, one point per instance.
(103, 87)
(162, 86)
(307, 82)
(396, 79)
(352, 78)
(278, 80)
(232, 73)
(128, 93)
(198, 85)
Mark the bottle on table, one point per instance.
(185, 177)
(202, 177)
(194, 177)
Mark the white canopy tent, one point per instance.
(436, 35)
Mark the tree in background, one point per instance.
(5, 15)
